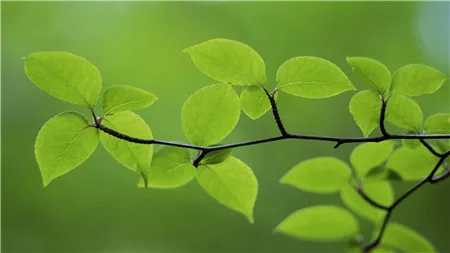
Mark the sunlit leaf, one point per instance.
(365, 106)
(370, 155)
(232, 183)
(65, 76)
(412, 164)
(123, 97)
(320, 175)
(210, 114)
(229, 61)
(312, 77)
(372, 73)
(404, 238)
(438, 123)
(320, 223)
(417, 79)
(63, 143)
(404, 112)
(254, 101)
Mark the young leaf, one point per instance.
(232, 183)
(417, 79)
(372, 73)
(217, 156)
(404, 112)
(320, 175)
(312, 77)
(171, 168)
(123, 98)
(405, 239)
(380, 191)
(438, 124)
(320, 223)
(65, 76)
(365, 106)
(136, 157)
(228, 61)
(254, 102)
(412, 164)
(63, 143)
(370, 155)
(210, 114)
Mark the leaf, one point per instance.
(371, 72)
(171, 168)
(319, 175)
(210, 114)
(65, 76)
(404, 238)
(312, 77)
(438, 123)
(417, 79)
(63, 143)
(228, 61)
(404, 112)
(136, 157)
(365, 106)
(254, 102)
(380, 191)
(320, 223)
(412, 144)
(123, 98)
(232, 183)
(412, 164)
(370, 155)
(217, 156)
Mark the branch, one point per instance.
(276, 115)
(383, 116)
(370, 200)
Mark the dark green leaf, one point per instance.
(217, 156)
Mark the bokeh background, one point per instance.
(97, 207)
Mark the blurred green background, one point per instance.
(97, 207)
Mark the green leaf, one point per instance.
(404, 112)
(136, 157)
(438, 124)
(404, 238)
(228, 61)
(370, 155)
(411, 143)
(365, 106)
(312, 77)
(210, 114)
(123, 98)
(65, 76)
(380, 191)
(412, 164)
(372, 73)
(254, 101)
(232, 183)
(320, 175)
(63, 143)
(217, 156)
(171, 168)
(417, 79)
(320, 223)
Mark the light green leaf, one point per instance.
(63, 143)
(123, 97)
(438, 124)
(404, 238)
(136, 157)
(417, 79)
(404, 112)
(320, 223)
(229, 61)
(254, 101)
(370, 155)
(217, 156)
(412, 144)
(232, 183)
(312, 77)
(210, 114)
(372, 73)
(365, 106)
(320, 175)
(380, 191)
(412, 164)
(65, 76)
(171, 168)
